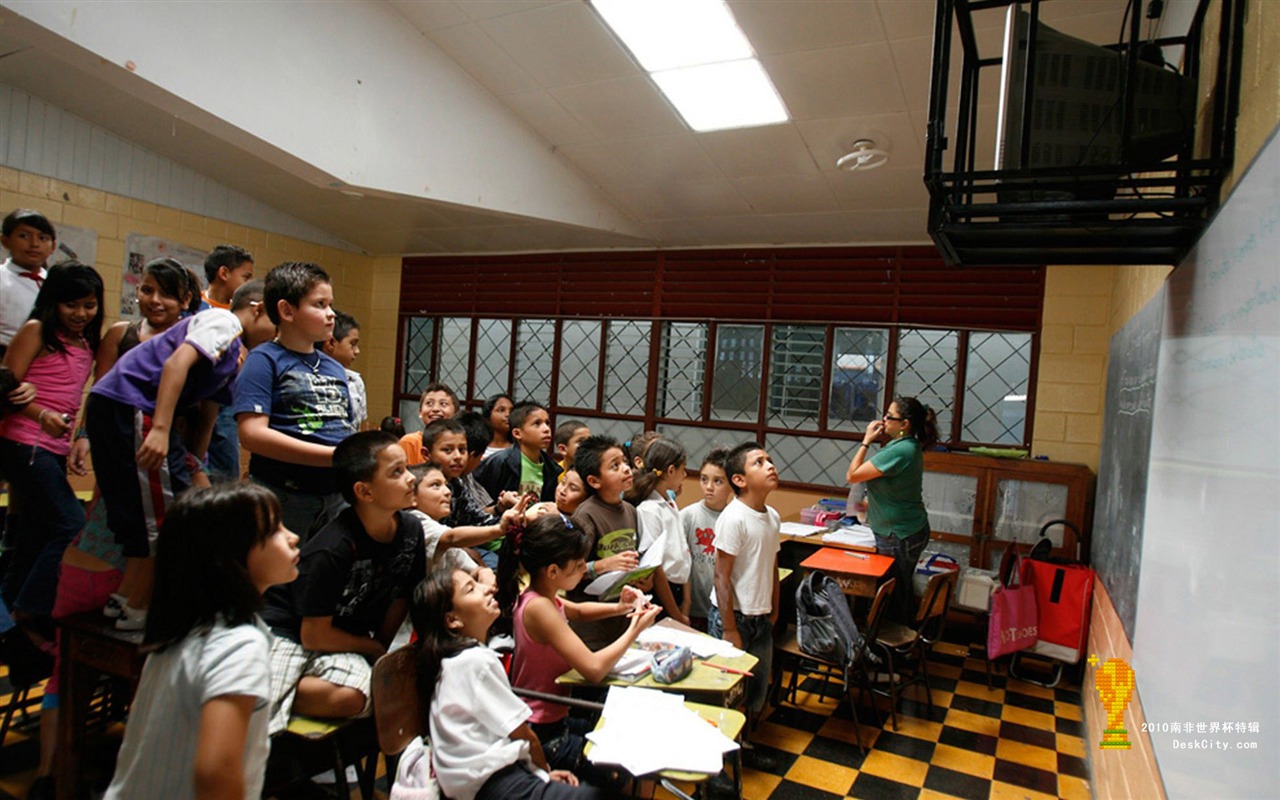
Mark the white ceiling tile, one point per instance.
(546, 116)
(897, 226)
(430, 16)
(488, 9)
(771, 150)
(642, 201)
(906, 18)
(788, 26)
(836, 82)
(678, 157)
(879, 188)
(787, 194)
(561, 45)
(483, 59)
(715, 198)
(596, 162)
(622, 108)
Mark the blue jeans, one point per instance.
(51, 515)
(905, 553)
(224, 448)
(757, 639)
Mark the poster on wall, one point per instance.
(138, 250)
(76, 243)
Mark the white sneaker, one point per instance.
(328, 778)
(115, 602)
(131, 619)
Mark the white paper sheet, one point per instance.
(651, 558)
(703, 646)
(646, 731)
(855, 535)
(800, 529)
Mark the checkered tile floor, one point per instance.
(1015, 740)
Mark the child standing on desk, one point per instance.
(554, 554)
(481, 743)
(198, 727)
(745, 603)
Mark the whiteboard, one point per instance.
(1207, 637)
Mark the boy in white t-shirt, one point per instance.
(745, 604)
(698, 522)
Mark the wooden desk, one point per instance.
(707, 684)
(815, 541)
(90, 644)
(857, 574)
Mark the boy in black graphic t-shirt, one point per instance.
(355, 577)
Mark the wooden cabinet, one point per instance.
(977, 505)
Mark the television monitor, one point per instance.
(1076, 104)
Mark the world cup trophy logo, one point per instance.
(1114, 682)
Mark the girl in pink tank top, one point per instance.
(554, 555)
(53, 351)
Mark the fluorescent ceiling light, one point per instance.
(699, 58)
(664, 34)
(712, 97)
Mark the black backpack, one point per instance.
(824, 625)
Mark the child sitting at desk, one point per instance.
(554, 554)
(482, 745)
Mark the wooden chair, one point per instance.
(903, 646)
(787, 651)
(397, 710)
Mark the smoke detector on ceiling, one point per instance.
(864, 156)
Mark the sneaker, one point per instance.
(720, 786)
(115, 602)
(131, 619)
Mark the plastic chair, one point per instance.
(902, 646)
(788, 651)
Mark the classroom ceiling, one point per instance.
(846, 70)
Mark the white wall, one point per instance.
(349, 89)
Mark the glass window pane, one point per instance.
(408, 411)
(926, 370)
(620, 429)
(805, 459)
(795, 375)
(493, 357)
(1023, 507)
(951, 500)
(455, 351)
(626, 367)
(683, 367)
(735, 390)
(697, 442)
(535, 343)
(858, 360)
(419, 340)
(996, 376)
(579, 363)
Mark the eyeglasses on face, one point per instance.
(888, 417)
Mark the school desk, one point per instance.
(857, 573)
(90, 645)
(729, 721)
(703, 683)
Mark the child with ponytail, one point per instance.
(554, 554)
(659, 477)
(481, 744)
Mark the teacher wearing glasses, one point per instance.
(894, 477)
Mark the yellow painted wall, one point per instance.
(366, 287)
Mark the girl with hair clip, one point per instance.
(198, 727)
(895, 480)
(658, 479)
(554, 555)
(481, 744)
(53, 352)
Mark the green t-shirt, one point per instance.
(895, 504)
(530, 475)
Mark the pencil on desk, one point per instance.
(734, 670)
(856, 555)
